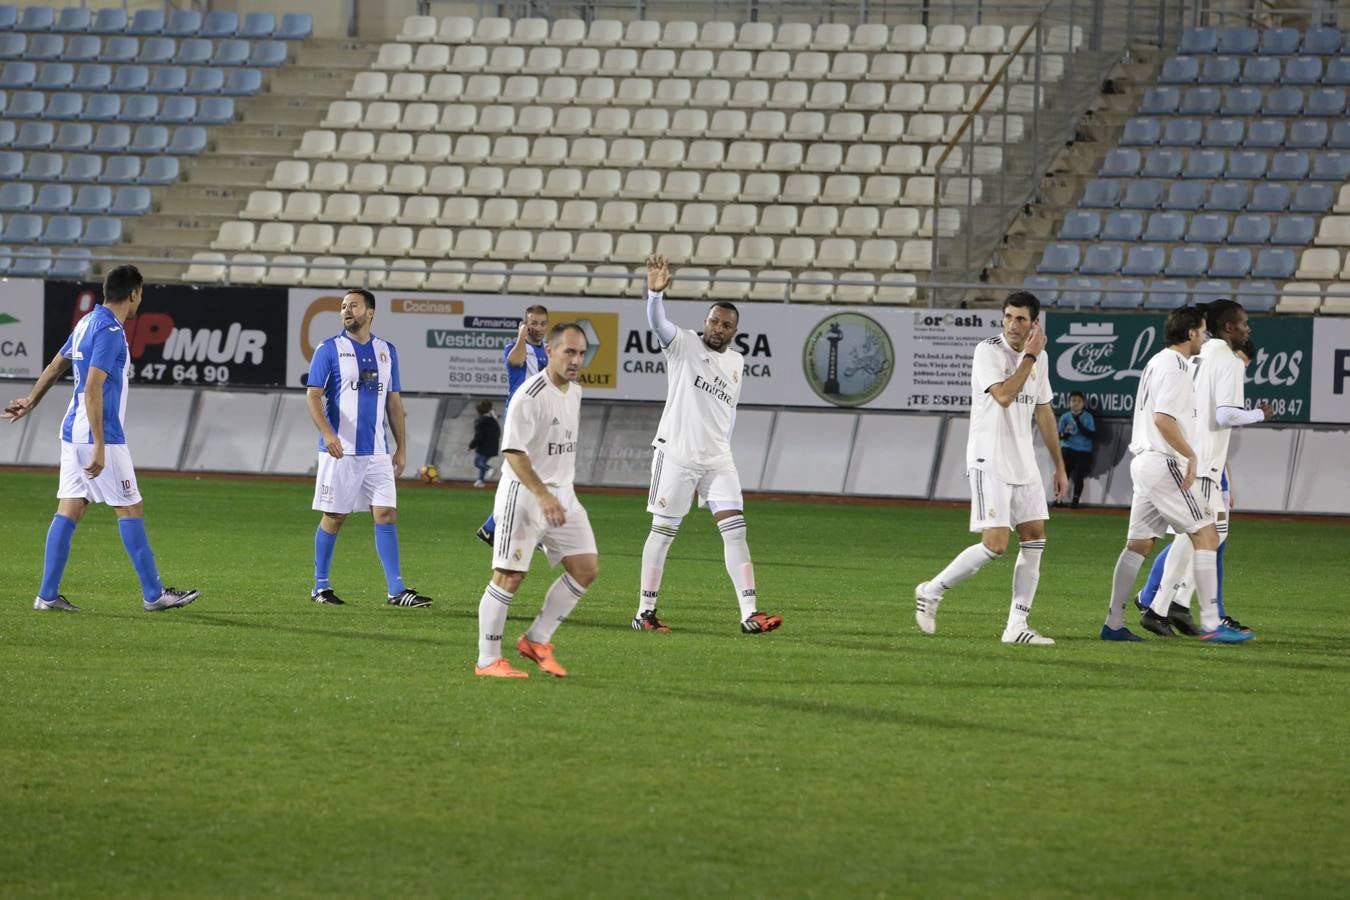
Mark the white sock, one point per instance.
(559, 602)
(967, 563)
(1176, 576)
(737, 554)
(654, 553)
(1026, 575)
(492, 610)
(1207, 588)
(1127, 569)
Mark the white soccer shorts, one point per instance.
(674, 486)
(521, 527)
(115, 485)
(1159, 501)
(997, 504)
(354, 483)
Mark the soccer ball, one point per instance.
(427, 474)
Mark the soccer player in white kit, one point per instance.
(693, 451)
(1165, 434)
(537, 505)
(95, 460)
(1010, 387)
(353, 390)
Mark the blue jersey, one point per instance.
(357, 380)
(1080, 434)
(536, 360)
(99, 341)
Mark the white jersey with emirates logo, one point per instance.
(703, 388)
(1000, 437)
(1219, 381)
(544, 423)
(1165, 387)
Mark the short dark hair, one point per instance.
(537, 308)
(730, 307)
(1180, 322)
(120, 283)
(556, 332)
(484, 407)
(1024, 300)
(1219, 314)
(365, 295)
(1078, 394)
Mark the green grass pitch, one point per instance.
(258, 745)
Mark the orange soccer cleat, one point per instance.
(542, 654)
(500, 669)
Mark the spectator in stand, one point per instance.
(1077, 437)
(487, 436)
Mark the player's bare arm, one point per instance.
(397, 424)
(1170, 429)
(1005, 392)
(1045, 422)
(520, 464)
(93, 410)
(516, 358)
(17, 409)
(331, 442)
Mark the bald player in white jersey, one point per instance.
(1010, 387)
(1163, 440)
(693, 451)
(537, 506)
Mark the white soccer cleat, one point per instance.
(1025, 636)
(925, 609)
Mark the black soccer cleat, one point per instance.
(326, 597)
(1235, 624)
(484, 535)
(1139, 603)
(1156, 624)
(1179, 617)
(647, 621)
(409, 598)
(760, 623)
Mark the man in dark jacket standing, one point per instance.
(487, 436)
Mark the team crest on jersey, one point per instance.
(736, 377)
(661, 502)
(384, 357)
(516, 556)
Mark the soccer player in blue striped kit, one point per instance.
(353, 390)
(95, 461)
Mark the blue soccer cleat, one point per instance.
(1225, 635)
(1119, 634)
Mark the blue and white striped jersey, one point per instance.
(536, 360)
(99, 341)
(356, 380)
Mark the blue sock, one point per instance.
(1218, 567)
(1150, 589)
(324, 544)
(490, 526)
(386, 545)
(54, 559)
(138, 548)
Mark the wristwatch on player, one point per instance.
(1030, 356)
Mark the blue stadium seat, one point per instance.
(131, 79)
(1163, 163)
(1060, 259)
(1203, 164)
(83, 48)
(268, 54)
(1187, 262)
(1180, 70)
(1256, 296)
(112, 137)
(1219, 70)
(43, 166)
(150, 139)
(9, 17)
(1250, 228)
(31, 262)
(1321, 41)
(1181, 133)
(242, 82)
(12, 46)
(1296, 230)
(16, 196)
(1102, 259)
(1245, 164)
(1208, 228)
(1209, 291)
(1231, 262)
(1165, 227)
(131, 201)
(160, 170)
(35, 136)
(184, 23)
(157, 51)
(203, 80)
(1123, 293)
(1101, 193)
(1223, 133)
(1203, 101)
(112, 20)
(140, 108)
(102, 108)
(1166, 294)
(1045, 287)
(36, 18)
(1141, 193)
(1080, 292)
(177, 110)
(1313, 197)
(1307, 134)
(119, 49)
(1277, 263)
(93, 77)
(18, 74)
(1302, 70)
(168, 80)
(1141, 131)
(22, 229)
(1240, 101)
(122, 169)
(1241, 39)
(7, 133)
(1266, 133)
(296, 26)
(1160, 101)
(74, 18)
(1269, 198)
(1331, 166)
(215, 111)
(73, 137)
(1260, 70)
(147, 22)
(82, 167)
(258, 25)
(1325, 102)
(63, 230)
(1122, 162)
(188, 139)
(1291, 165)
(1280, 41)
(102, 232)
(1338, 71)
(1282, 101)
(1199, 40)
(220, 24)
(92, 200)
(26, 105)
(1123, 226)
(72, 263)
(1143, 260)
(11, 165)
(55, 76)
(53, 198)
(193, 52)
(230, 53)
(1340, 135)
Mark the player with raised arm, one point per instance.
(525, 357)
(693, 451)
(1163, 440)
(1010, 388)
(537, 505)
(353, 391)
(95, 460)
